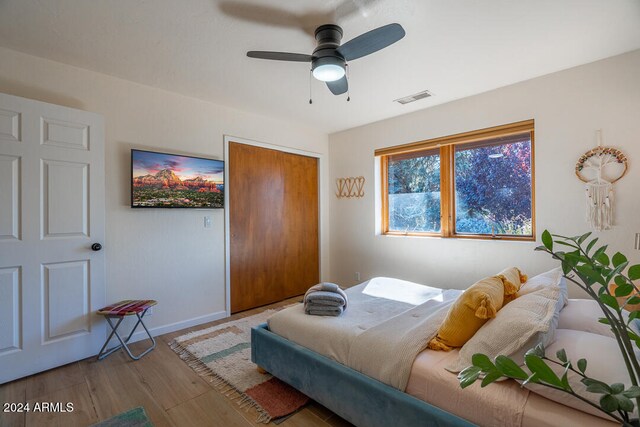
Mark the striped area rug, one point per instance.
(222, 354)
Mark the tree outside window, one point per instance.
(468, 185)
(493, 188)
(414, 193)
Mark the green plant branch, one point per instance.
(617, 334)
(629, 346)
(621, 336)
(584, 399)
(624, 415)
(633, 359)
(631, 363)
(593, 274)
(624, 335)
(570, 367)
(634, 370)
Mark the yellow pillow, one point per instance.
(468, 313)
(512, 278)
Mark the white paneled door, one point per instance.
(51, 213)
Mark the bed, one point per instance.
(305, 352)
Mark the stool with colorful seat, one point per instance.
(119, 311)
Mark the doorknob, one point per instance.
(96, 246)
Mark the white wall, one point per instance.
(162, 254)
(567, 106)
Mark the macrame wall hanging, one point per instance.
(599, 168)
(350, 187)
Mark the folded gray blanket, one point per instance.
(325, 299)
(324, 288)
(323, 310)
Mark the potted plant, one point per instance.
(592, 270)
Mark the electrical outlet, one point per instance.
(207, 221)
(357, 275)
(149, 311)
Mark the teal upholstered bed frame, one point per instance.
(356, 397)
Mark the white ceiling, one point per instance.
(454, 48)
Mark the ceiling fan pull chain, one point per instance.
(310, 75)
(346, 69)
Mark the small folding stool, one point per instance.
(119, 311)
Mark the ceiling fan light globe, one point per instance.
(328, 72)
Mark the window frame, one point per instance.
(446, 145)
(385, 200)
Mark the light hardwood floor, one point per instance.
(170, 392)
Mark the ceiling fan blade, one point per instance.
(338, 87)
(347, 8)
(274, 16)
(371, 41)
(279, 56)
(267, 15)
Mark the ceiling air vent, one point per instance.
(414, 97)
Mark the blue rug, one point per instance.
(135, 417)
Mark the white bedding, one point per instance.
(370, 303)
(379, 299)
(503, 403)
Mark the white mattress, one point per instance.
(374, 301)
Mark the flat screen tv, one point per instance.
(163, 180)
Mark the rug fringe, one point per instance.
(241, 399)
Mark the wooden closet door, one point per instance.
(273, 221)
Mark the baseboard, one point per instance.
(172, 327)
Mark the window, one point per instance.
(414, 192)
(477, 184)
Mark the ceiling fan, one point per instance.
(329, 59)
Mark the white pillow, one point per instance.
(550, 278)
(604, 363)
(583, 315)
(523, 323)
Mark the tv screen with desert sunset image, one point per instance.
(161, 180)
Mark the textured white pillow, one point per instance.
(520, 325)
(550, 278)
(604, 363)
